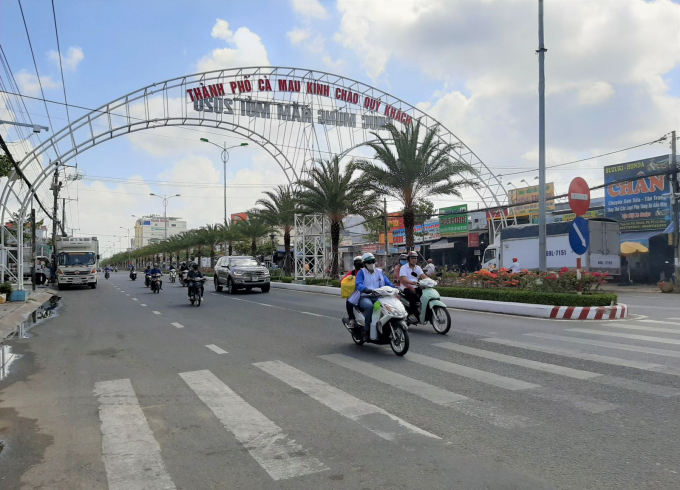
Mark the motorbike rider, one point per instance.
(369, 279)
(358, 265)
(408, 278)
(157, 270)
(403, 259)
(195, 273)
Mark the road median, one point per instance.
(575, 309)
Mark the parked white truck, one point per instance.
(77, 261)
(521, 242)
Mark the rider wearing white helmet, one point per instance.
(358, 264)
(369, 279)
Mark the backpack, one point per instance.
(348, 285)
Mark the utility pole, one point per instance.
(541, 142)
(32, 246)
(63, 216)
(676, 208)
(56, 185)
(387, 243)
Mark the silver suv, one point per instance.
(238, 272)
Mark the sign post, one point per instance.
(579, 239)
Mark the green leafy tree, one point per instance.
(6, 166)
(251, 230)
(333, 193)
(278, 210)
(408, 170)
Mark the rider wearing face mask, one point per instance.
(409, 275)
(402, 261)
(358, 265)
(369, 279)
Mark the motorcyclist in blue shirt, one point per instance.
(157, 270)
(368, 280)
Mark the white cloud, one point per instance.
(28, 83)
(221, 30)
(70, 62)
(296, 36)
(247, 50)
(309, 8)
(595, 93)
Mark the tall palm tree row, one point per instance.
(411, 171)
(278, 210)
(332, 192)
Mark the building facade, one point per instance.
(152, 229)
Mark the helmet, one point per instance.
(358, 259)
(155, 266)
(194, 265)
(368, 257)
(403, 257)
(413, 253)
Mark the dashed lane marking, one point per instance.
(216, 349)
(156, 312)
(178, 325)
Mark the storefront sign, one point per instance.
(530, 196)
(346, 242)
(640, 204)
(440, 246)
(478, 220)
(596, 213)
(473, 240)
(454, 224)
(370, 247)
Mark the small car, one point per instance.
(241, 272)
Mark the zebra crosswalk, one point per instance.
(133, 457)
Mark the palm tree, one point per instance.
(252, 230)
(332, 192)
(227, 234)
(211, 236)
(416, 171)
(279, 211)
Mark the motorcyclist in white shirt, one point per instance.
(408, 278)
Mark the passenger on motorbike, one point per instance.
(408, 278)
(157, 270)
(194, 274)
(369, 279)
(403, 259)
(358, 265)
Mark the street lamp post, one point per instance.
(165, 199)
(128, 246)
(225, 159)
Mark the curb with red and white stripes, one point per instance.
(520, 309)
(589, 312)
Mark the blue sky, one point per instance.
(613, 77)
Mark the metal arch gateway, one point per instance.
(296, 115)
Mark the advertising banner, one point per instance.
(596, 213)
(641, 204)
(473, 240)
(239, 217)
(455, 220)
(530, 196)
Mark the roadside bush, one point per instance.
(6, 289)
(534, 297)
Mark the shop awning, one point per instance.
(629, 248)
(634, 236)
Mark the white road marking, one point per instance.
(662, 323)
(646, 338)
(611, 345)
(313, 314)
(629, 384)
(280, 456)
(131, 454)
(387, 426)
(127, 295)
(135, 299)
(471, 373)
(142, 304)
(672, 318)
(432, 393)
(647, 329)
(585, 403)
(178, 325)
(156, 312)
(586, 356)
(517, 361)
(216, 349)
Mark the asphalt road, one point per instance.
(125, 389)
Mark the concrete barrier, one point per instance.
(520, 309)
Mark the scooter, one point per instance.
(156, 283)
(389, 322)
(147, 279)
(183, 277)
(196, 290)
(173, 275)
(106, 275)
(431, 309)
(133, 275)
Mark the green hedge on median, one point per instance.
(532, 297)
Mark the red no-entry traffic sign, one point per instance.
(579, 196)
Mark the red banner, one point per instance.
(473, 240)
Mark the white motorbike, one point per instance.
(388, 325)
(173, 274)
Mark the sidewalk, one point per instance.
(633, 288)
(12, 314)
